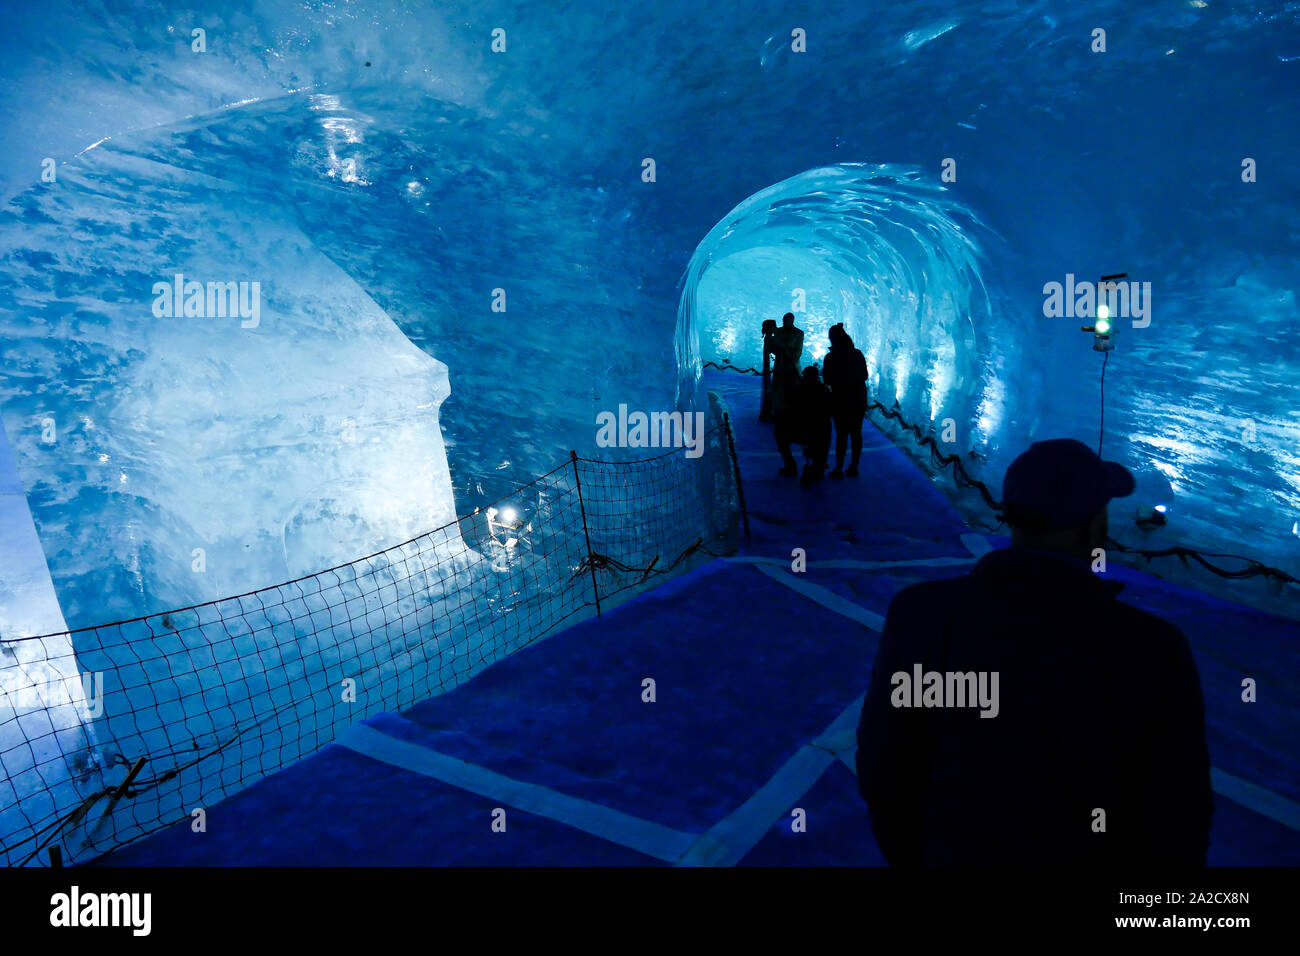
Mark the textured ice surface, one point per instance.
(890, 256)
(1194, 402)
(46, 734)
(431, 170)
(381, 171)
(177, 459)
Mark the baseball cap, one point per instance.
(1061, 483)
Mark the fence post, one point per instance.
(595, 589)
(735, 464)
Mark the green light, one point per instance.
(1102, 327)
(1103, 312)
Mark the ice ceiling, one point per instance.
(381, 171)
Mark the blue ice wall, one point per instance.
(430, 170)
(876, 248)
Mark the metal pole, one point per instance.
(735, 464)
(595, 590)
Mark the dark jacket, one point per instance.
(807, 418)
(1099, 707)
(845, 371)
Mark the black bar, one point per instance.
(595, 590)
(735, 464)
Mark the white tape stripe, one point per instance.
(652, 839)
(844, 563)
(846, 739)
(827, 599)
(1254, 797)
(728, 843)
(730, 840)
(976, 544)
(843, 731)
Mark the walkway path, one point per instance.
(558, 754)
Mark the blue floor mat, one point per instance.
(746, 672)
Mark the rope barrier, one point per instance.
(941, 460)
(215, 696)
(1253, 568)
(727, 367)
(937, 455)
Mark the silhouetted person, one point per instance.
(789, 428)
(845, 373)
(1097, 751)
(765, 405)
(789, 341)
(805, 420)
(814, 409)
(787, 348)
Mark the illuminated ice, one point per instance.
(462, 261)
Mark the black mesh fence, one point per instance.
(112, 732)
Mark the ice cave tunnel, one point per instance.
(449, 236)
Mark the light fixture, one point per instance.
(1148, 519)
(1152, 498)
(1102, 328)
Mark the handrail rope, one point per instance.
(603, 562)
(1254, 568)
(938, 456)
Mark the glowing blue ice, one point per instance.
(385, 172)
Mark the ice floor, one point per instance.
(758, 675)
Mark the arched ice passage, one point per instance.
(879, 248)
(955, 328)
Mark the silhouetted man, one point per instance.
(787, 348)
(788, 341)
(845, 373)
(1074, 732)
